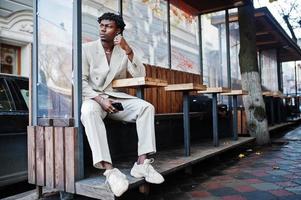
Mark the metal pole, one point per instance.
(120, 7)
(235, 137)
(168, 34)
(296, 87)
(186, 122)
(77, 84)
(200, 45)
(214, 119)
(34, 75)
(228, 57)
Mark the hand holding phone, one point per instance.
(118, 106)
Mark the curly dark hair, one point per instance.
(113, 17)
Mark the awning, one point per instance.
(196, 7)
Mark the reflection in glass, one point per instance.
(288, 74)
(269, 77)
(55, 58)
(214, 49)
(234, 55)
(91, 10)
(146, 29)
(184, 41)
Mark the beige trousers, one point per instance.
(135, 110)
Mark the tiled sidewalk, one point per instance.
(267, 173)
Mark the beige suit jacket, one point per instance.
(98, 75)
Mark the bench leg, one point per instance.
(140, 92)
(235, 137)
(144, 188)
(272, 110)
(39, 191)
(186, 124)
(214, 119)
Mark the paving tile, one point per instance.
(273, 179)
(244, 175)
(212, 185)
(259, 195)
(278, 172)
(233, 197)
(291, 197)
(286, 184)
(253, 180)
(224, 191)
(244, 188)
(296, 190)
(265, 186)
(298, 181)
(280, 193)
(200, 194)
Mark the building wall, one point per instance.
(16, 24)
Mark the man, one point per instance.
(103, 61)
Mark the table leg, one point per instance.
(272, 110)
(140, 92)
(186, 122)
(235, 117)
(214, 119)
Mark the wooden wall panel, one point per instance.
(31, 149)
(49, 154)
(70, 144)
(166, 102)
(59, 158)
(40, 156)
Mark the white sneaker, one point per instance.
(117, 181)
(146, 170)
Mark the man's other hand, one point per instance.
(106, 104)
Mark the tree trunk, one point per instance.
(253, 102)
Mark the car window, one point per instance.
(20, 93)
(5, 103)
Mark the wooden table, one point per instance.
(139, 83)
(214, 91)
(185, 88)
(234, 94)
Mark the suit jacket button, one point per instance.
(96, 78)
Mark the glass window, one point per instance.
(234, 55)
(269, 77)
(9, 62)
(55, 58)
(5, 102)
(146, 29)
(288, 74)
(91, 10)
(214, 50)
(184, 41)
(22, 93)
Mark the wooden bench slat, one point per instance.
(236, 92)
(59, 158)
(139, 81)
(49, 148)
(210, 90)
(185, 86)
(40, 156)
(70, 144)
(31, 147)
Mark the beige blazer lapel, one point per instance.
(115, 64)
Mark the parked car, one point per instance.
(14, 101)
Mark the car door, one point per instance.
(13, 132)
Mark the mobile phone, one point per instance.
(118, 106)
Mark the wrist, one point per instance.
(129, 51)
